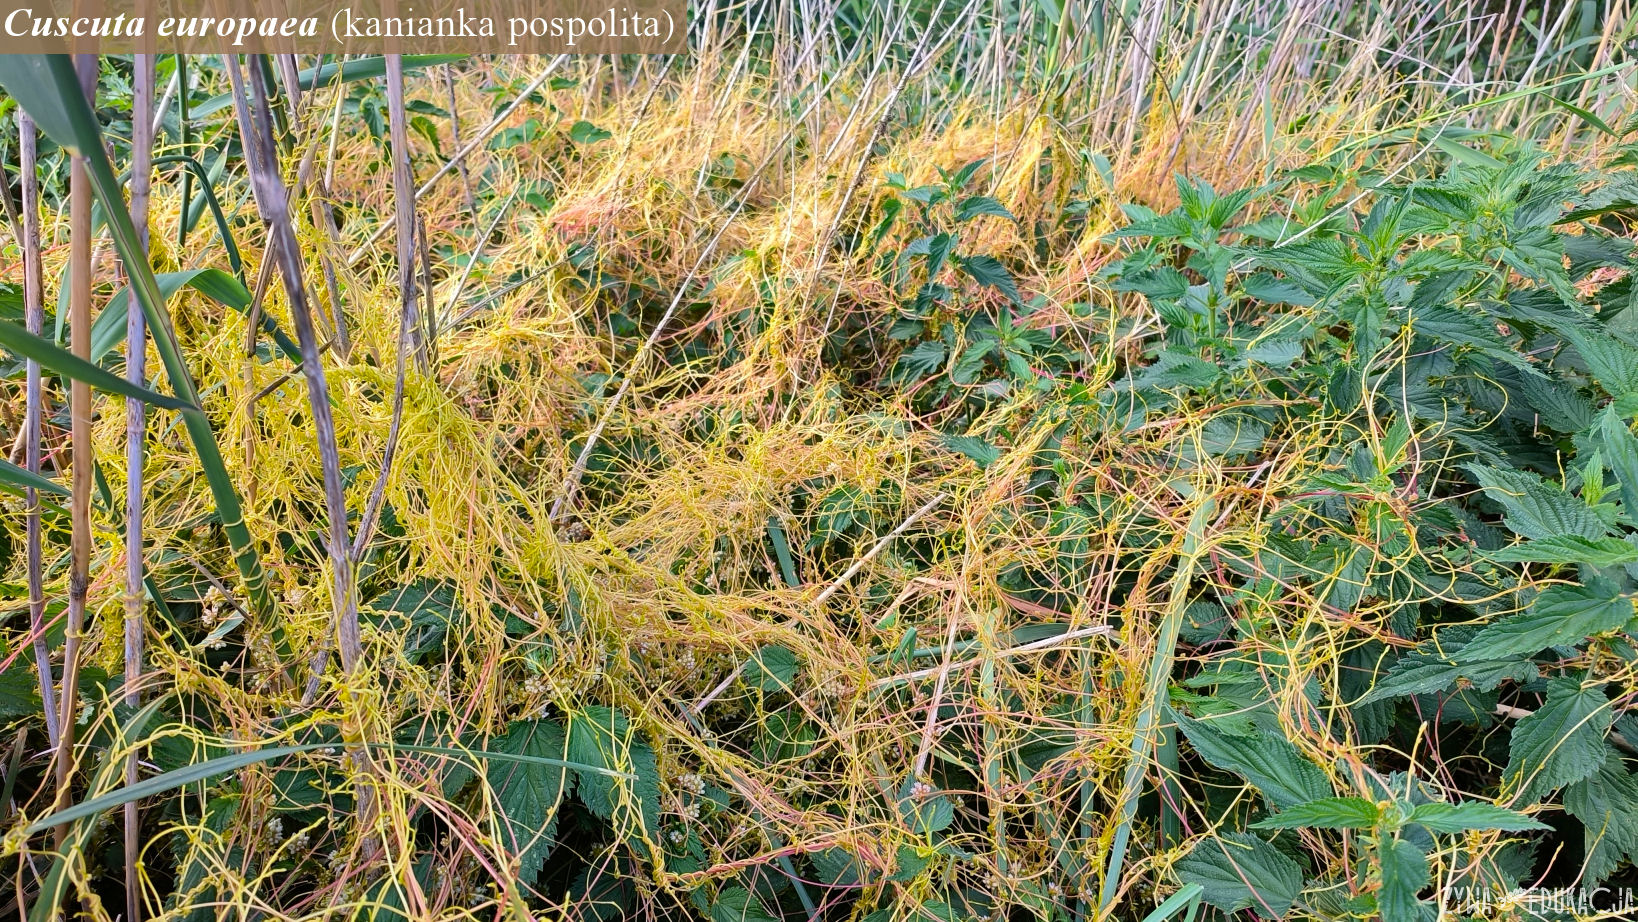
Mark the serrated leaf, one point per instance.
(1268, 289)
(1325, 813)
(528, 794)
(1275, 353)
(1606, 803)
(1177, 370)
(737, 904)
(988, 271)
(1238, 871)
(584, 132)
(1570, 549)
(1560, 616)
(1404, 870)
(1271, 763)
(772, 669)
(925, 359)
(981, 452)
(980, 205)
(602, 737)
(1620, 451)
(1561, 406)
(1561, 743)
(1535, 508)
(1427, 669)
(1612, 362)
(1471, 815)
(925, 810)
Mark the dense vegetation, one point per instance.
(951, 463)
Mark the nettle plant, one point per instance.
(1470, 535)
(963, 345)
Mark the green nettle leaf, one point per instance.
(1275, 353)
(925, 359)
(988, 271)
(771, 668)
(1570, 549)
(1239, 871)
(584, 132)
(1326, 813)
(980, 205)
(19, 695)
(981, 452)
(1176, 369)
(1560, 616)
(1404, 870)
(602, 737)
(737, 904)
(1606, 803)
(925, 809)
(1536, 509)
(1433, 667)
(1271, 763)
(1612, 362)
(1561, 743)
(1620, 452)
(1472, 815)
(528, 794)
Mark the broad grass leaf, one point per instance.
(108, 330)
(59, 361)
(1561, 743)
(1271, 763)
(25, 478)
(367, 68)
(1239, 871)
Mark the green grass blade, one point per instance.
(351, 72)
(207, 192)
(23, 477)
(109, 329)
(1188, 897)
(47, 84)
(14, 338)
